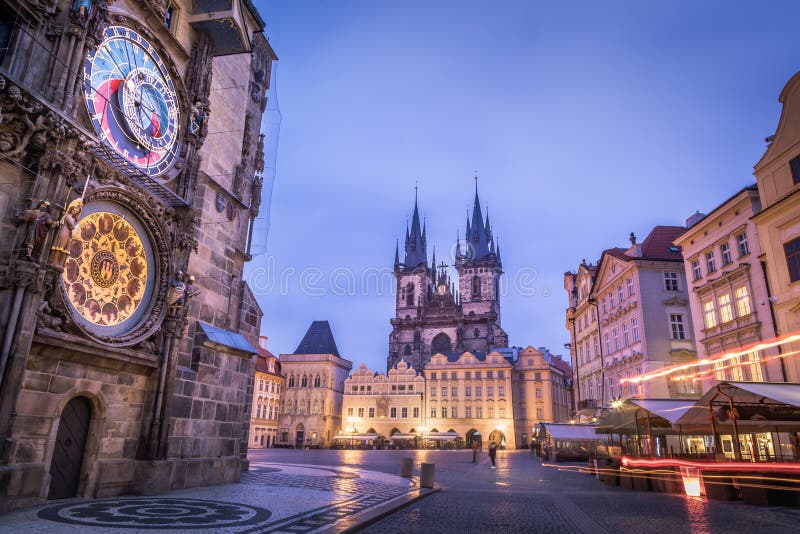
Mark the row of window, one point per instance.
(724, 254)
(266, 412)
(501, 391)
(304, 381)
(619, 292)
(468, 375)
(395, 387)
(627, 337)
(392, 412)
(720, 309)
(303, 407)
(583, 322)
(268, 386)
(442, 412)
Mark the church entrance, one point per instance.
(441, 344)
(70, 446)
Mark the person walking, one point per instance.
(475, 449)
(492, 453)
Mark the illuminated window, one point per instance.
(709, 314)
(725, 308)
(742, 301)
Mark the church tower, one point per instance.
(479, 270)
(434, 315)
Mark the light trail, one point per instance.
(756, 347)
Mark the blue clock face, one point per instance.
(131, 100)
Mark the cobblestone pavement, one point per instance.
(319, 490)
(272, 497)
(522, 496)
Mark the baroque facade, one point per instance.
(267, 390)
(635, 306)
(500, 396)
(778, 178)
(434, 315)
(124, 319)
(311, 413)
(729, 297)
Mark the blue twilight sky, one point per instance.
(585, 121)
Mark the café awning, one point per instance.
(442, 436)
(572, 432)
(403, 435)
(756, 406)
(357, 437)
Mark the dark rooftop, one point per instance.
(318, 340)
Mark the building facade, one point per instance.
(123, 316)
(383, 403)
(585, 348)
(728, 291)
(267, 395)
(434, 315)
(311, 414)
(778, 223)
(643, 319)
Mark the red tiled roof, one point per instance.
(562, 366)
(657, 245)
(617, 253)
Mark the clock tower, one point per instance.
(133, 152)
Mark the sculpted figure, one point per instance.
(68, 225)
(39, 224)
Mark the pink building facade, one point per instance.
(728, 292)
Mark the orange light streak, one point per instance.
(714, 466)
(759, 346)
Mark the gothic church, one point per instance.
(434, 315)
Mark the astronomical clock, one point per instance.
(114, 279)
(132, 102)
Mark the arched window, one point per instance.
(288, 406)
(476, 286)
(291, 381)
(407, 350)
(304, 382)
(316, 381)
(410, 295)
(315, 408)
(441, 344)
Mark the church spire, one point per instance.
(415, 248)
(397, 255)
(433, 265)
(477, 234)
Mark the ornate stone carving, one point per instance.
(26, 125)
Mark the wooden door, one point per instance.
(67, 463)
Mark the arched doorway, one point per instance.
(498, 437)
(70, 446)
(300, 434)
(441, 344)
(473, 435)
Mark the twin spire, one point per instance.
(478, 238)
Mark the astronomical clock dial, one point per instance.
(109, 276)
(132, 101)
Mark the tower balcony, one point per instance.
(229, 23)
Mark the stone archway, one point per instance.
(474, 435)
(498, 437)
